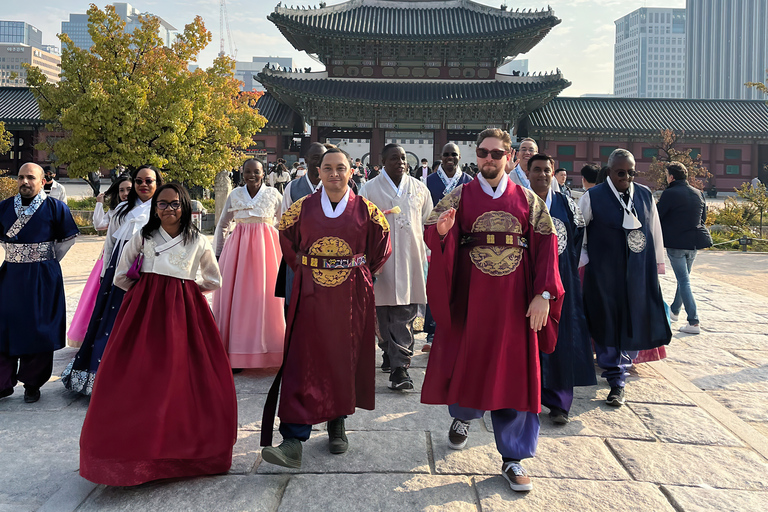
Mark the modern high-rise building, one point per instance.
(649, 54)
(77, 26)
(20, 32)
(245, 71)
(727, 47)
(13, 55)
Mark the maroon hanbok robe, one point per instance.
(329, 360)
(485, 354)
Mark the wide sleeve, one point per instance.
(131, 251)
(210, 275)
(66, 231)
(658, 237)
(585, 206)
(109, 242)
(286, 202)
(426, 208)
(378, 247)
(100, 218)
(278, 205)
(290, 236)
(223, 227)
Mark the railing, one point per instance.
(744, 241)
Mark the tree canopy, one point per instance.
(5, 139)
(669, 144)
(132, 101)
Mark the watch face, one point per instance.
(546, 295)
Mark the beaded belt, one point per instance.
(331, 262)
(29, 253)
(494, 238)
(254, 220)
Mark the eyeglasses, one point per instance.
(451, 154)
(141, 181)
(496, 154)
(621, 174)
(174, 205)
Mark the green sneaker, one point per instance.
(288, 454)
(337, 436)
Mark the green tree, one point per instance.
(755, 196)
(5, 139)
(132, 101)
(760, 86)
(669, 144)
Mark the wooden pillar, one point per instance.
(439, 139)
(377, 145)
(590, 143)
(315, 135)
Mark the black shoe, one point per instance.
(385, 364)
(235, 371)
(337, 436)
(458, 434)
(399, 379)
(616, 396)
(6, 392)
(559, 416)
(31, 395)
(288, 454)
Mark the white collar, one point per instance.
(328, 210)
(398, 190)
(523, 178)
(630, 220)
(500, 188)
(311, 186)
(247, 195)
(548, 200)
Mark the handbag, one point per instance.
(135, 271)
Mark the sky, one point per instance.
(581, 46)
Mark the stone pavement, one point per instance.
(693, 436)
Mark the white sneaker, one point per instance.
(673, 316)
(691, 329)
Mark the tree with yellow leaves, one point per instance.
(669, 144)
(132, 101)
(5, 139)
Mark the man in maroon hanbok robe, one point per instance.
(329, 361)
(487, 271)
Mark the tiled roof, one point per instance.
(279, 115)
(420, 20)
(440, 92)
(18, 106)
(646, 116)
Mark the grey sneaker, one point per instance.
(399, 379)
(337, 436)
(615, 397)
(518, 478)
(691, 329)
(457, 434)
(288, 454)
(559, 416)
(674, 316)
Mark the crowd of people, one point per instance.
(524, 292)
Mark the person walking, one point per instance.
(683, 214)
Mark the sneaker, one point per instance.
(457, 434)
(31, 395)
(399, 379)
(559, 416)
(616, 396)
(385, 364)
(674, 316)
(288, 454)
(691, 329)
(337, 436)
(517, 477)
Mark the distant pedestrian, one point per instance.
(52, 187)
(560, 176)
(589, 176)
(683, 213)
(36, 232)
(165, 406)
(755, 182)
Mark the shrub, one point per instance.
(8, 188)
(87, 203)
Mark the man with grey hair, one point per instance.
(36, 232)
(623, 252)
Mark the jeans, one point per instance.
(682, 261)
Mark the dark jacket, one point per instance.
(682, 212)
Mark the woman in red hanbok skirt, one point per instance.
(165, 404)
(115, 195)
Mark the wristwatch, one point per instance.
(546, 295)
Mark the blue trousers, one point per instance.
(516, 432)
(615, 362)
(557, 398)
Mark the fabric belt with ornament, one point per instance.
(497, 238)
(331, 262)
(29, 253)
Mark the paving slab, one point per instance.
(731, 341)
(687, 425)
(556, 457)
(255, 493)
(397, 410)
(696, 499)
(762, 428)
(559, 494)
(53, 397)
(680, 464)
(755, 357)
(751, 327)
(369, 452)
(749, 406)
(734, 314)
(246, 451)
(254, 380)
(639, 390)
(380, 492)
(33, 476)
(42, 432)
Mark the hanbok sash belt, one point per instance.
(29, 253)
(494, 238)
(254, 220)
(331, 262)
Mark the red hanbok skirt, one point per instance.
(164, 403)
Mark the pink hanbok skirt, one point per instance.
(654, 354)
(85, 305)
(249, 316)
